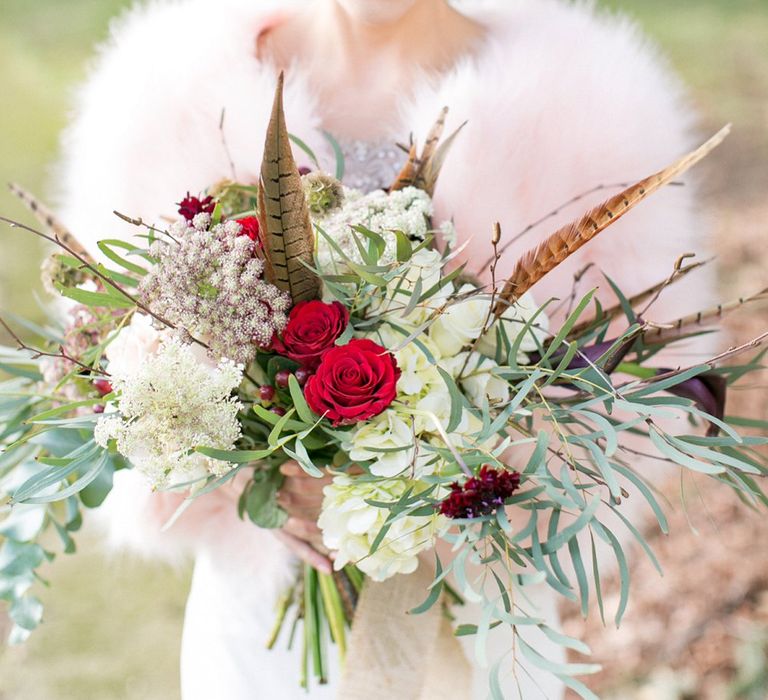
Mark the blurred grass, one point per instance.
(112, 627)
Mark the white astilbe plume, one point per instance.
(167, 406)
(210, 284)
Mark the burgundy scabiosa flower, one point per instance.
(480, 495)
(190, 206)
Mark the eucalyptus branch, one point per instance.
(37, 353)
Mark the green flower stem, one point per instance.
(334, 611)
(355, 576)
(312, 602)
(283, 604)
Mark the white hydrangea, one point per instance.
(386, 439)
(168, 405)
(350, 526)
(406, 210)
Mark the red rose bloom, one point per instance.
(313, 327)
(250, 227)
(190, 207)
(354, 382)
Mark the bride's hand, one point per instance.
(301, 496)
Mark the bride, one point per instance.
(557, 98)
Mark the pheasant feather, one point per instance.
(49, 221)
(288, 240)
(538, 262)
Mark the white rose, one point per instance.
(477, 378)
(133, 344)
(388, 440)
(461, 323)
(514, 320)
(425, 265)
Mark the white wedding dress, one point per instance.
(557, 101)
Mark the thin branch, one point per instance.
(142, 224)
(676, 271)
(226, 146)
(56, 241)
(37, 353)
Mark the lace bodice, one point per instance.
(371, 165)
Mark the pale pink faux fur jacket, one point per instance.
(560, 99)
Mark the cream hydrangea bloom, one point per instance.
(169, 405)
(387, 439)
(350, 526)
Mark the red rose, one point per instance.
(313, 327)
(353, 383)
(250, 227)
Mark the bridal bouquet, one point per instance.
(298, 319)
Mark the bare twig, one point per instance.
(142, 224)
(61, 354)
(676, 271)
(226, 146)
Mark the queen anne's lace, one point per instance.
(170, 404)
(209, 283)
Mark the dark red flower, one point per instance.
(251, 228)
(190, 206)
(354, 382)
(313, 327)
(480, 495)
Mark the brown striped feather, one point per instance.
(407, 176)
(289, 239)
(695, 321)
(540, 261)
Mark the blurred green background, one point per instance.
(112, 624)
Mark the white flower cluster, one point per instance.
(407, 210)
(350, 527)
(169, 404)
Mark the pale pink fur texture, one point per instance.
(560, 99)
